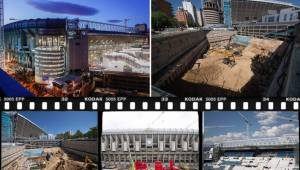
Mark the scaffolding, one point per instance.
(6, 127)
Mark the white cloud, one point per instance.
(142, 120)
(267, 118)
(276, 131)
(226, 137)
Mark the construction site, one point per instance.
(225, 63)
(223, 148)
(242, 48)
(24, 145)
(242, 66)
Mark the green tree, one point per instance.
(92, 133)
(78, 134)
(59, 136)
(159, 20)
(67, 135)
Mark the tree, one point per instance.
(162, 6)
(59, 136)
(67, 135)
(92, 133)
(78, 134)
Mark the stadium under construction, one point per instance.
(153, 147)
(25, 145)
(56, 52)
(263, 153)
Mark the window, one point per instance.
(271, 19)
(285, 16)
(291, 16)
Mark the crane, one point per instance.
(248, 124)
(126, 21)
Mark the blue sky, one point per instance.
(264, 124)
(197, 3)
(54, 122)
(96, 10)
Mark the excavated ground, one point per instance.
(60, 160)
(210, 75)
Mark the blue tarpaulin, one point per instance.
(242, 40)
(32, 153)
(11, 88)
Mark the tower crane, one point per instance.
(248, 124)
(126, 21)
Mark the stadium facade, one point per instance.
(15, 126)
(54, 47)
(240, 11)
(253, 10)
(119, 147)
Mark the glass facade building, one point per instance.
(227, 13)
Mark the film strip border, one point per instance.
(149, 104)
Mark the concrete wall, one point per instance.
(78, 53)
(9, 154)
(175, 53)
(167, 48)
(83, 148)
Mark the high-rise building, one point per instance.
(211, 12)
(227, 13)
(191, 9)
(182, 16)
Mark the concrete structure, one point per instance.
(171, 57)
(141, 28)
(191, 9)
(82, 148)
(260, 153)
(284, 15)
(260, 30)
(54, 47)
(253, 10)
(123, 81)
(182, 16)
(211, 12)
(10, 153)
(150, 145)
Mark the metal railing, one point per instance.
(275, 141)
(98, 26)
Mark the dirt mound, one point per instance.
(213, 71)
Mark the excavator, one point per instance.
(229, 59)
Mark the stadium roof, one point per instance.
(150, 131)
(277, 2)
(31, 122)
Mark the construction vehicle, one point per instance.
(229, 59)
